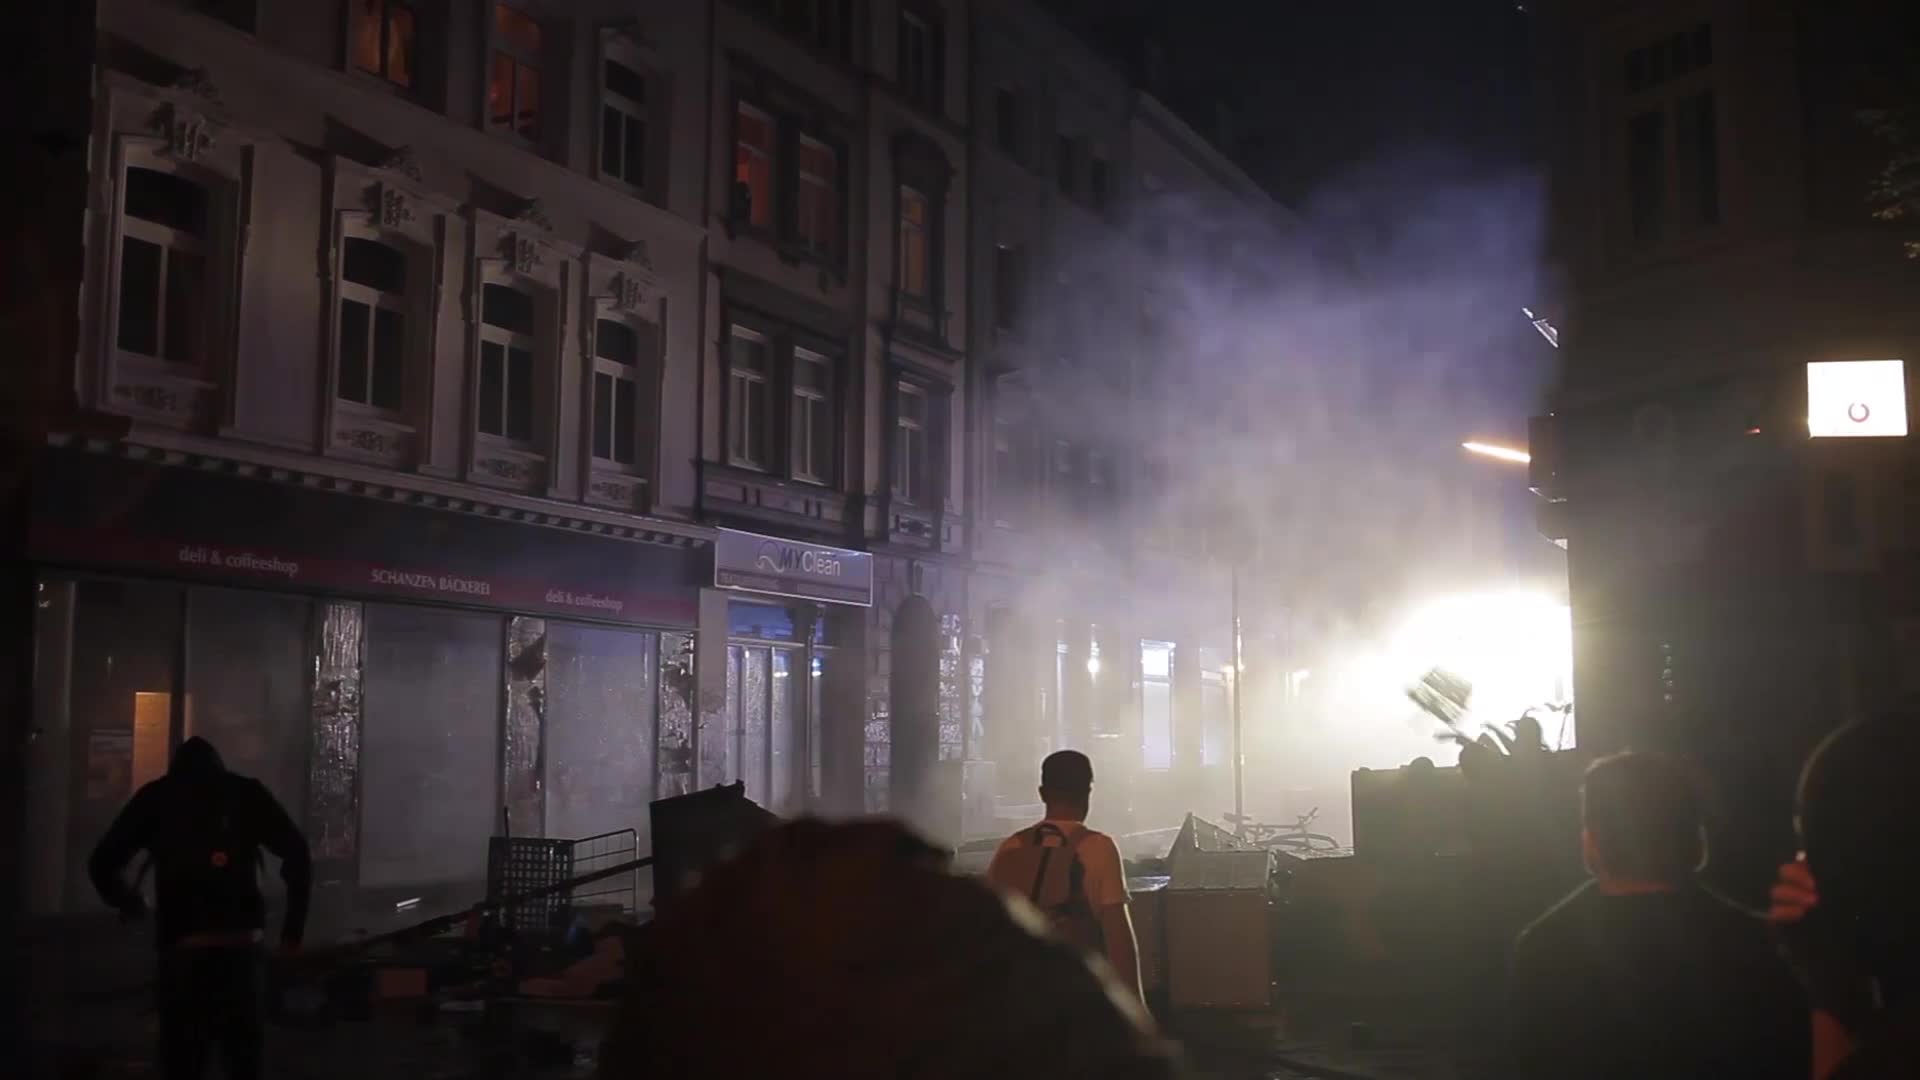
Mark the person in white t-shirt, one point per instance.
(1072, 873)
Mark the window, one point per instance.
(1156, 704)
(1646, 168)
(1006, 121)
(506, 362)
(1013, 454)
(914, 260)
(918, 74)
(911, 472)
(513, 89)
(1099, 477)
(1697, 160)
(622, 362)
(1097, 184)
(1063, 158)
(385, 34)
(1063, 455)
(166, 295)
(1672, 137)
(753, 166)
(1673, 57)
(822, 24)
(749, 377)
(1007, 287)
(623, 123)
(373, 324)
(818, 228)
(812, 422)
(236, 13)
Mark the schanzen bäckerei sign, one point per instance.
(104, 512)
(767, 564)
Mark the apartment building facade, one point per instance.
(497, 415)
(1737, 587)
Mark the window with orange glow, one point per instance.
(384, 37)
(913, 242)
(513, 86)
(753, 163)
(819, 226)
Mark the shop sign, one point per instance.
(750, 562)
(251, 532)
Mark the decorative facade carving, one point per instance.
(153, 398)
(627, 292)
(613, 492)
(635, 252)
(189, 135)
(533, 213)
(400, 160)
(395, 208)
(199, 83)
(502, 469)
(523, 252)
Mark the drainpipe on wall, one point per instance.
(705, 271)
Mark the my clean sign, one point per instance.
(750, 562)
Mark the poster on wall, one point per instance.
(109, 765)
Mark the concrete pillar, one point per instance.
(843, 719)
(710, 690)
(913, 704)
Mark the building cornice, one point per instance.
(176, 449)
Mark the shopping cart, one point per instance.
(617, 896)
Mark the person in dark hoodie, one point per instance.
(203, 829)
(1849, 910)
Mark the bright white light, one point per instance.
(1093, 665)
(1857, 399)
(1504, 453)
(1516, 648)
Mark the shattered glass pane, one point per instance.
(333, 776)
(952, 690)
(676, 715)
(785, 763)
(879, 744)
(720, 734)
(976, 706)
(753, 724)
(526, 717)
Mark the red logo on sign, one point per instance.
(219, 860)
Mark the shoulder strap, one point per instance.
(1036, 837)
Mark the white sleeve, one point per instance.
(1106, 872)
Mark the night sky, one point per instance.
(1318, 87)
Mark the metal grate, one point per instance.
(517, 865)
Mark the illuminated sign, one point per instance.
(768, 564)
(1854, 399)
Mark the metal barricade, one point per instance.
(621, 891)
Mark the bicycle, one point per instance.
(1297, 837)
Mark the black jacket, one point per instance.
(204, 828)
(1675, 985)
